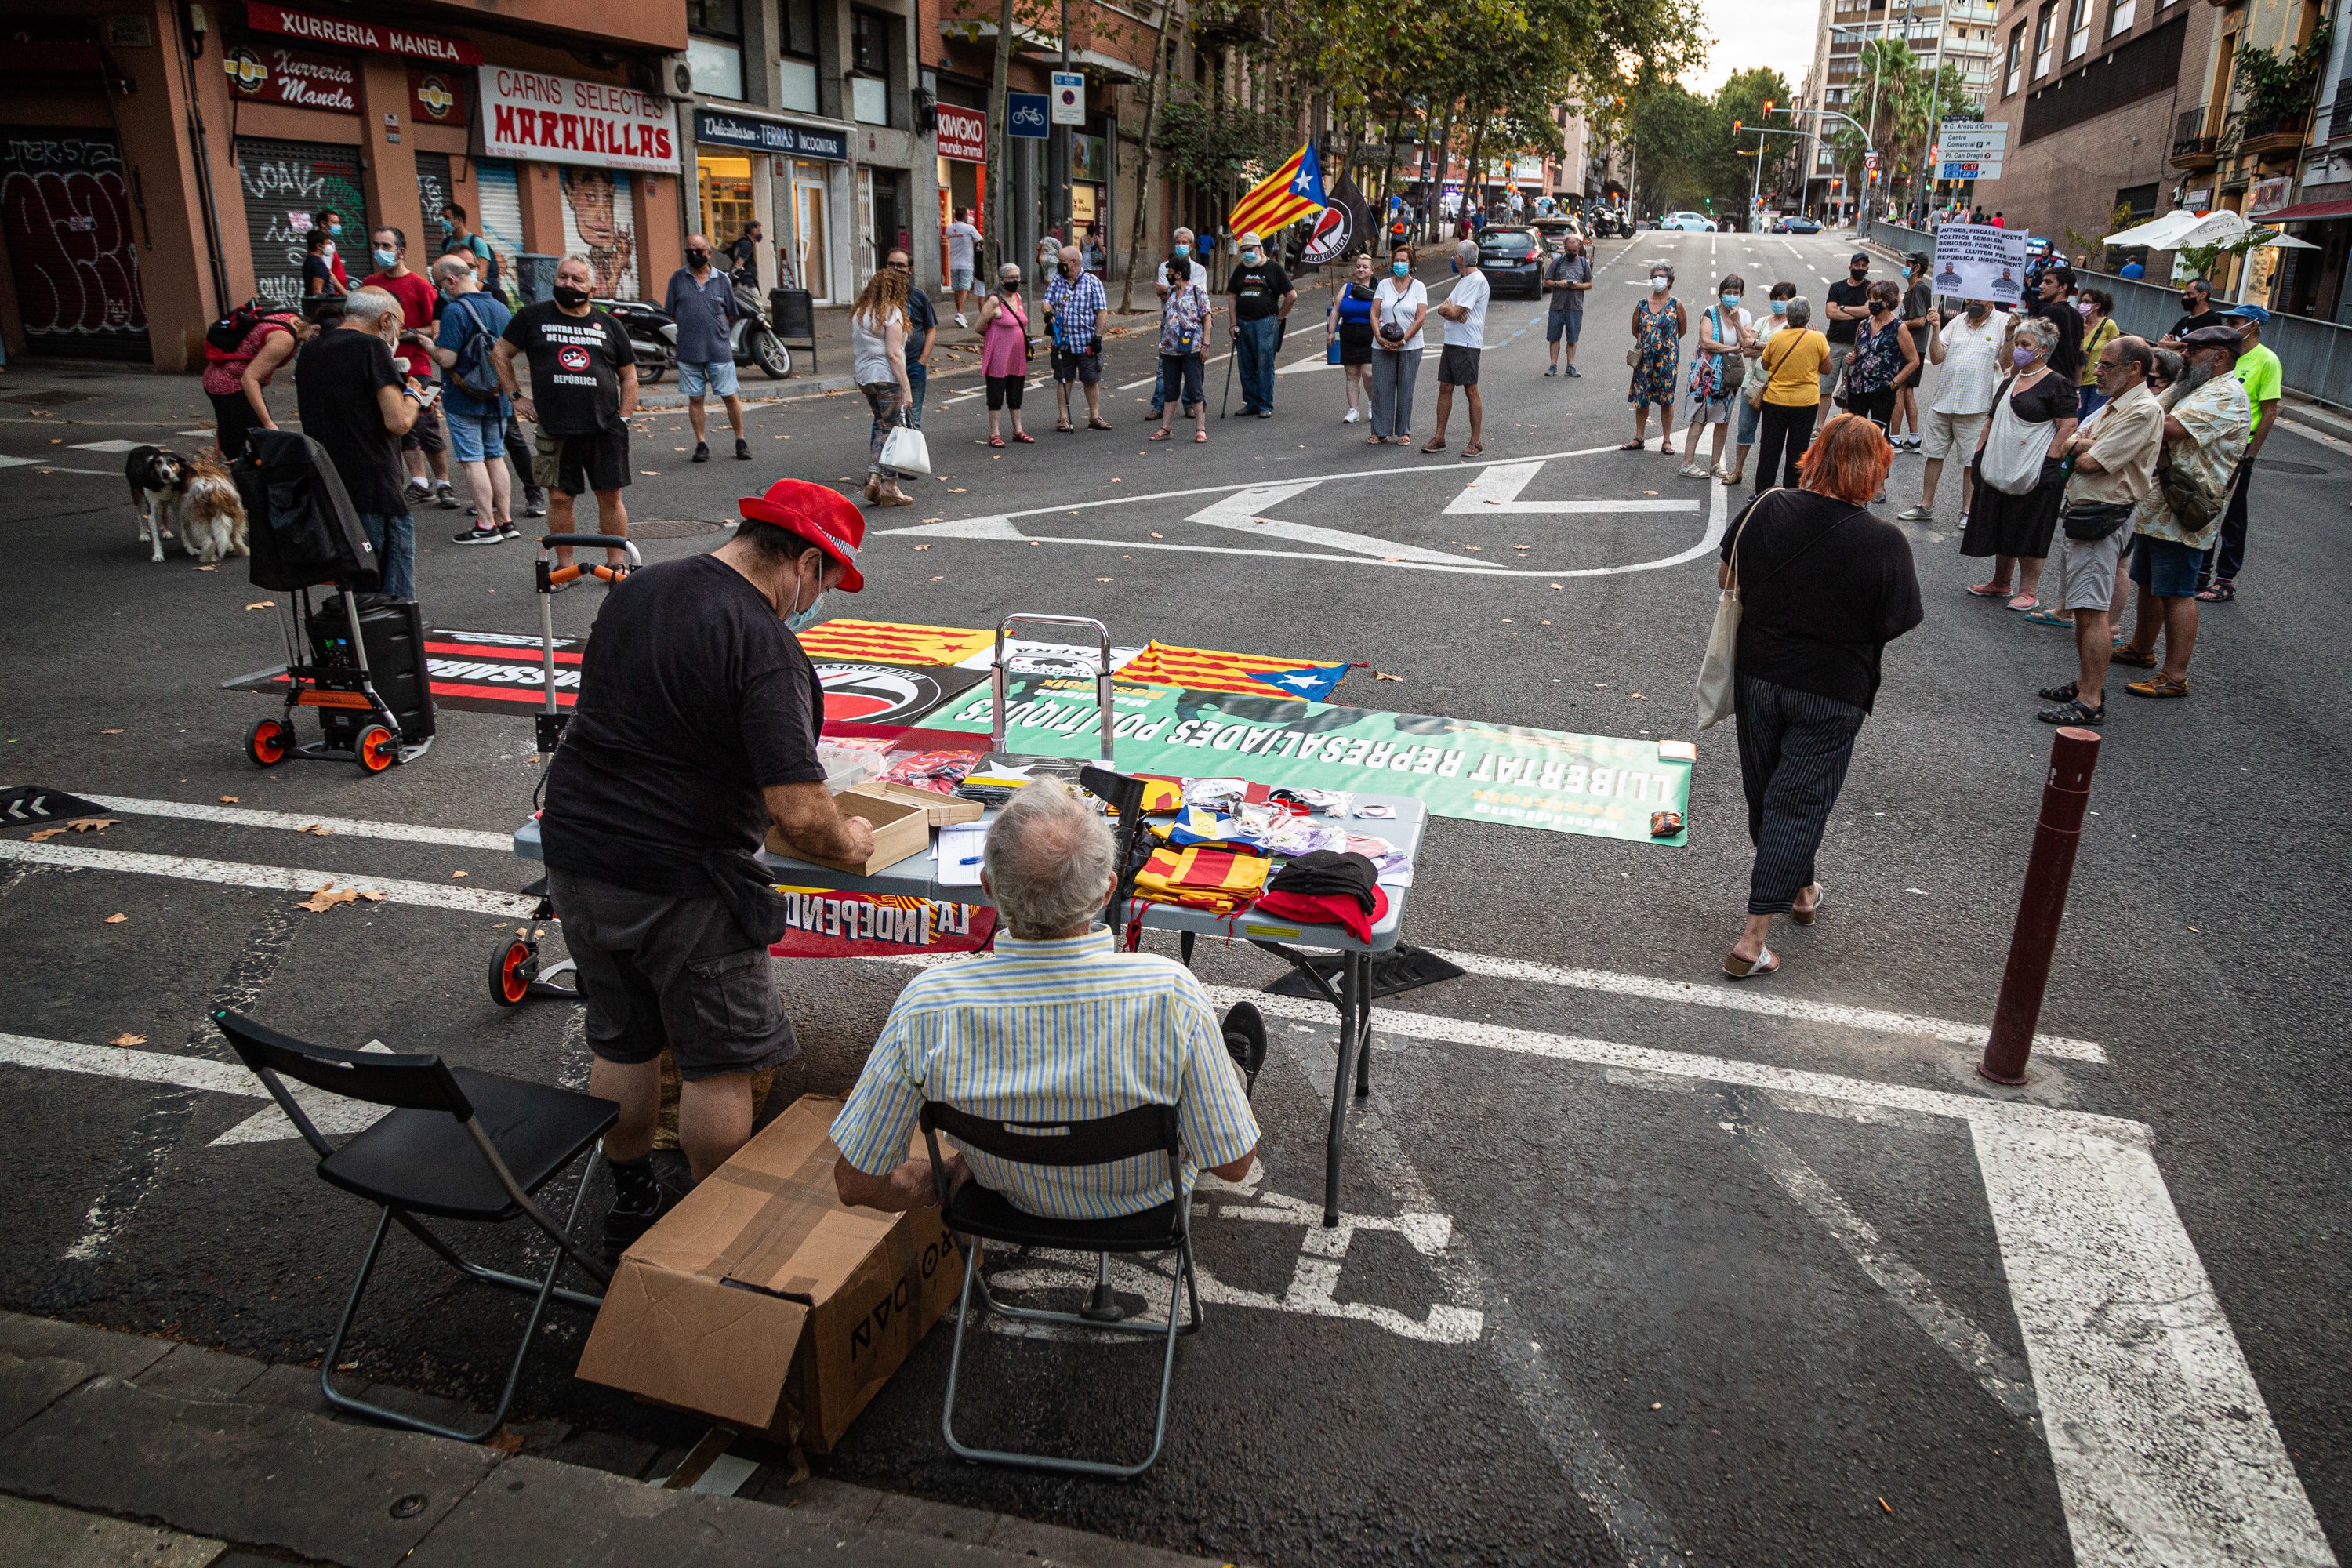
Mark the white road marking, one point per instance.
(279, 879)
(342, 826)
(45, 466)
(130, 1065)
(1149, 379)
(1243, 511)
(114, 446)
(1495, 490)
(1949, 1031)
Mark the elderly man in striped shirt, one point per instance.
(1056, 1024)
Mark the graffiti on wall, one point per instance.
(600, 222)
(66, 213)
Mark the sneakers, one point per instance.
(701, 452)
(1245, 1032)
(509, 531)
(1574, 372)
(1914, 514)
(638, 1200)
(961, 323)
(447, 495)
(742, 450)
(417, 490)
(1551, 370)
(535, 503)
(1350, 417)
(479, 534)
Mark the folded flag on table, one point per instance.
(1237, 674)
(881, 642)
(1216, 879)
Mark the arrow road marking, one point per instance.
(275, 879)
(1495, 490)
(1241, 512)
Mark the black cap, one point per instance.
(1860, 258)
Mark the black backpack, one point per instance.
(228, 334)
(302, 529)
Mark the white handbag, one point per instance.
(904, 451)
(1717, 674)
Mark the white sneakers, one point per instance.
(1350, 417)
(961, 323)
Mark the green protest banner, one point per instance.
(1595, 784)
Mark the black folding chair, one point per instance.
(459, 1144)
(979, 1214)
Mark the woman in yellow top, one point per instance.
(1791, 365)
(2099, 329)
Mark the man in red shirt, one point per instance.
(424, 449)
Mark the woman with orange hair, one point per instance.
(1823, 587)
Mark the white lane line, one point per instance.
(1243, 511)
(278, 879)
(1149, 380)
(2164, 1450)
(342, 827)
(133, 1066)
(1949, 1031)
(1497, 491)
(1999, 1375)
(118, 445)
(45, 466)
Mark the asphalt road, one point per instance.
(1639, 1268)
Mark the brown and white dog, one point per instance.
(212, 514)
(158, 479)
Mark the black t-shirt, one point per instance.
(575, 366)
(1851, 294)
(336, 378)
(1257, 290)
(316, 268)
(1823, 587)
(2066, 358)
(693, 698)
(2208, 317)
(2051, 397)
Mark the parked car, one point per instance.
(1796, 222)
(1554, 231)
(1512, 259)
(1687, 223)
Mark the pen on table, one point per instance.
(969, 860)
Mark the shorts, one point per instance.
(1182, 375)
(717, 377)
(671, 973)
(477, 438)
(424, 435)
(1457, 365)
(2165, 568)
(1566, 326)
(1750, 415)
(1005, 391)
(579, 465)
(1839, 354)
(1711, 411)
(1085, 368)
(2086, 570)
(959, 279)
(1950, 433)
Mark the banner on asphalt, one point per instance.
(1978, 261)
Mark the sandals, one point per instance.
(1158, 435)
(2124, 653)
(2066, 693)
(1376, 440)
(2218, 593)
(1632, 445)
(1807, 917)
(1433, 445)
(1025, 439)
(1766, 961)
(2043, 615)
(1990, 590)
(1200, 434)
(996, 440)
(2074, 713)
(2158, 686)
(1064, 429)
(1472, 450)
(1097, 423)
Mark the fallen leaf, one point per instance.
(1656, 1405)
(371, 896)
(1507, 620)
(99, 824)
(1102, 579)
(1553, 584)
(204, 568)
(1543, 623)
(1882, 1502)
(939, 579)
(314, 827)
(1384, 675)
(228, 800)
(650, 473)
(319, 902)
(931, 519)
(457, 873)
(922, 547)
(109, 731)
(1157, 535)
(507, 1441)
(1117, 481)
(347, 1366)
(127, 1038)
(263, 604)
(115, 920)
(956, 491)
(1634, 694)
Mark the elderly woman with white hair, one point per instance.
(2014, 510)
(1056, 1024)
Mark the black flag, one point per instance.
(1342, 229)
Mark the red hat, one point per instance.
(817, 513)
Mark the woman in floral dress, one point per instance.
(1659, 326)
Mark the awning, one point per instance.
(2309, 212)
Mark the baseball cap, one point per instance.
(1859, 256)
(823, 517)
(2250, 313)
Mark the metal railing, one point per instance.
(2315, 356)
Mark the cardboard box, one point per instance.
(943, 810)
(763, 1302)
(901, 830)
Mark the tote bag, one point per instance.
(2014, 447)
(905, 451)
(1717, 675)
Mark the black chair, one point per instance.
(459, 1144)
(978, 1216)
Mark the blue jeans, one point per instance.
(394, 534)
(1254, 357)
(1160, 386)
(919, 376)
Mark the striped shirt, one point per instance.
(1051, 1031)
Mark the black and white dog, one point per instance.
(159, 481)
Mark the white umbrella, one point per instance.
(2283, 241)
(2179, 229)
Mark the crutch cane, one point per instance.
(1233, 353)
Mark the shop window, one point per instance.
(714, 47)
(796, 71)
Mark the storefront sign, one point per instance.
(560, 120)
(266, 73)
(2270, 195)
(1488, 772)
(723, 128)
(964, 133)
(345, 33)
(439, 97)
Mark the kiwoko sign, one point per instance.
(560, 120)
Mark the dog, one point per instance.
(212, 514)
(158, 479)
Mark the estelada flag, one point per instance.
(885, 642)
(1237, 674)
(1287, 195)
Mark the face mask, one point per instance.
(798, 621)
(2084, 306)
(2021, 357)
(1660, 283)
(1009, 287)
(1731, 302)
(1185, 250)
(697, 258)
(568, 297)
(2189, 301)
(1976, 313)
(1780, 307)
(1402, 269)
(334, 229)
(1858, 273)
(1252, 258)
(384, 257)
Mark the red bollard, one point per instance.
(2041, 905)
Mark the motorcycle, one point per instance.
(652, 333)
(753, 337)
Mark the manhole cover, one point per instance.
(35, 399)
(2281, 466)
(676, 528)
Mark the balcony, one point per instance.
(2339, 124)
(2273, 134)
(1230, 24)
(2191, 147)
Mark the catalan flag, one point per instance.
(884, 642)
(1237, 674)
(1289, 194)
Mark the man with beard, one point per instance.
(2206, 419)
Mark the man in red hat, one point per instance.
(697, 728)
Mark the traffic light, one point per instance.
(1768, 109)
(1736, 126)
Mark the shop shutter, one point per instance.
(285, 183)
(432, 191)
(72, 247)
(499, 194)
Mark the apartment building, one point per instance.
(1959, 33)
(2320, 283)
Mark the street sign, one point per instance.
(1870, 159)
(1070, 99)
(1987, 168)
(1965, 142)
(1025, 115)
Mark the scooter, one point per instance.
(753, 337)
(652, 333)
